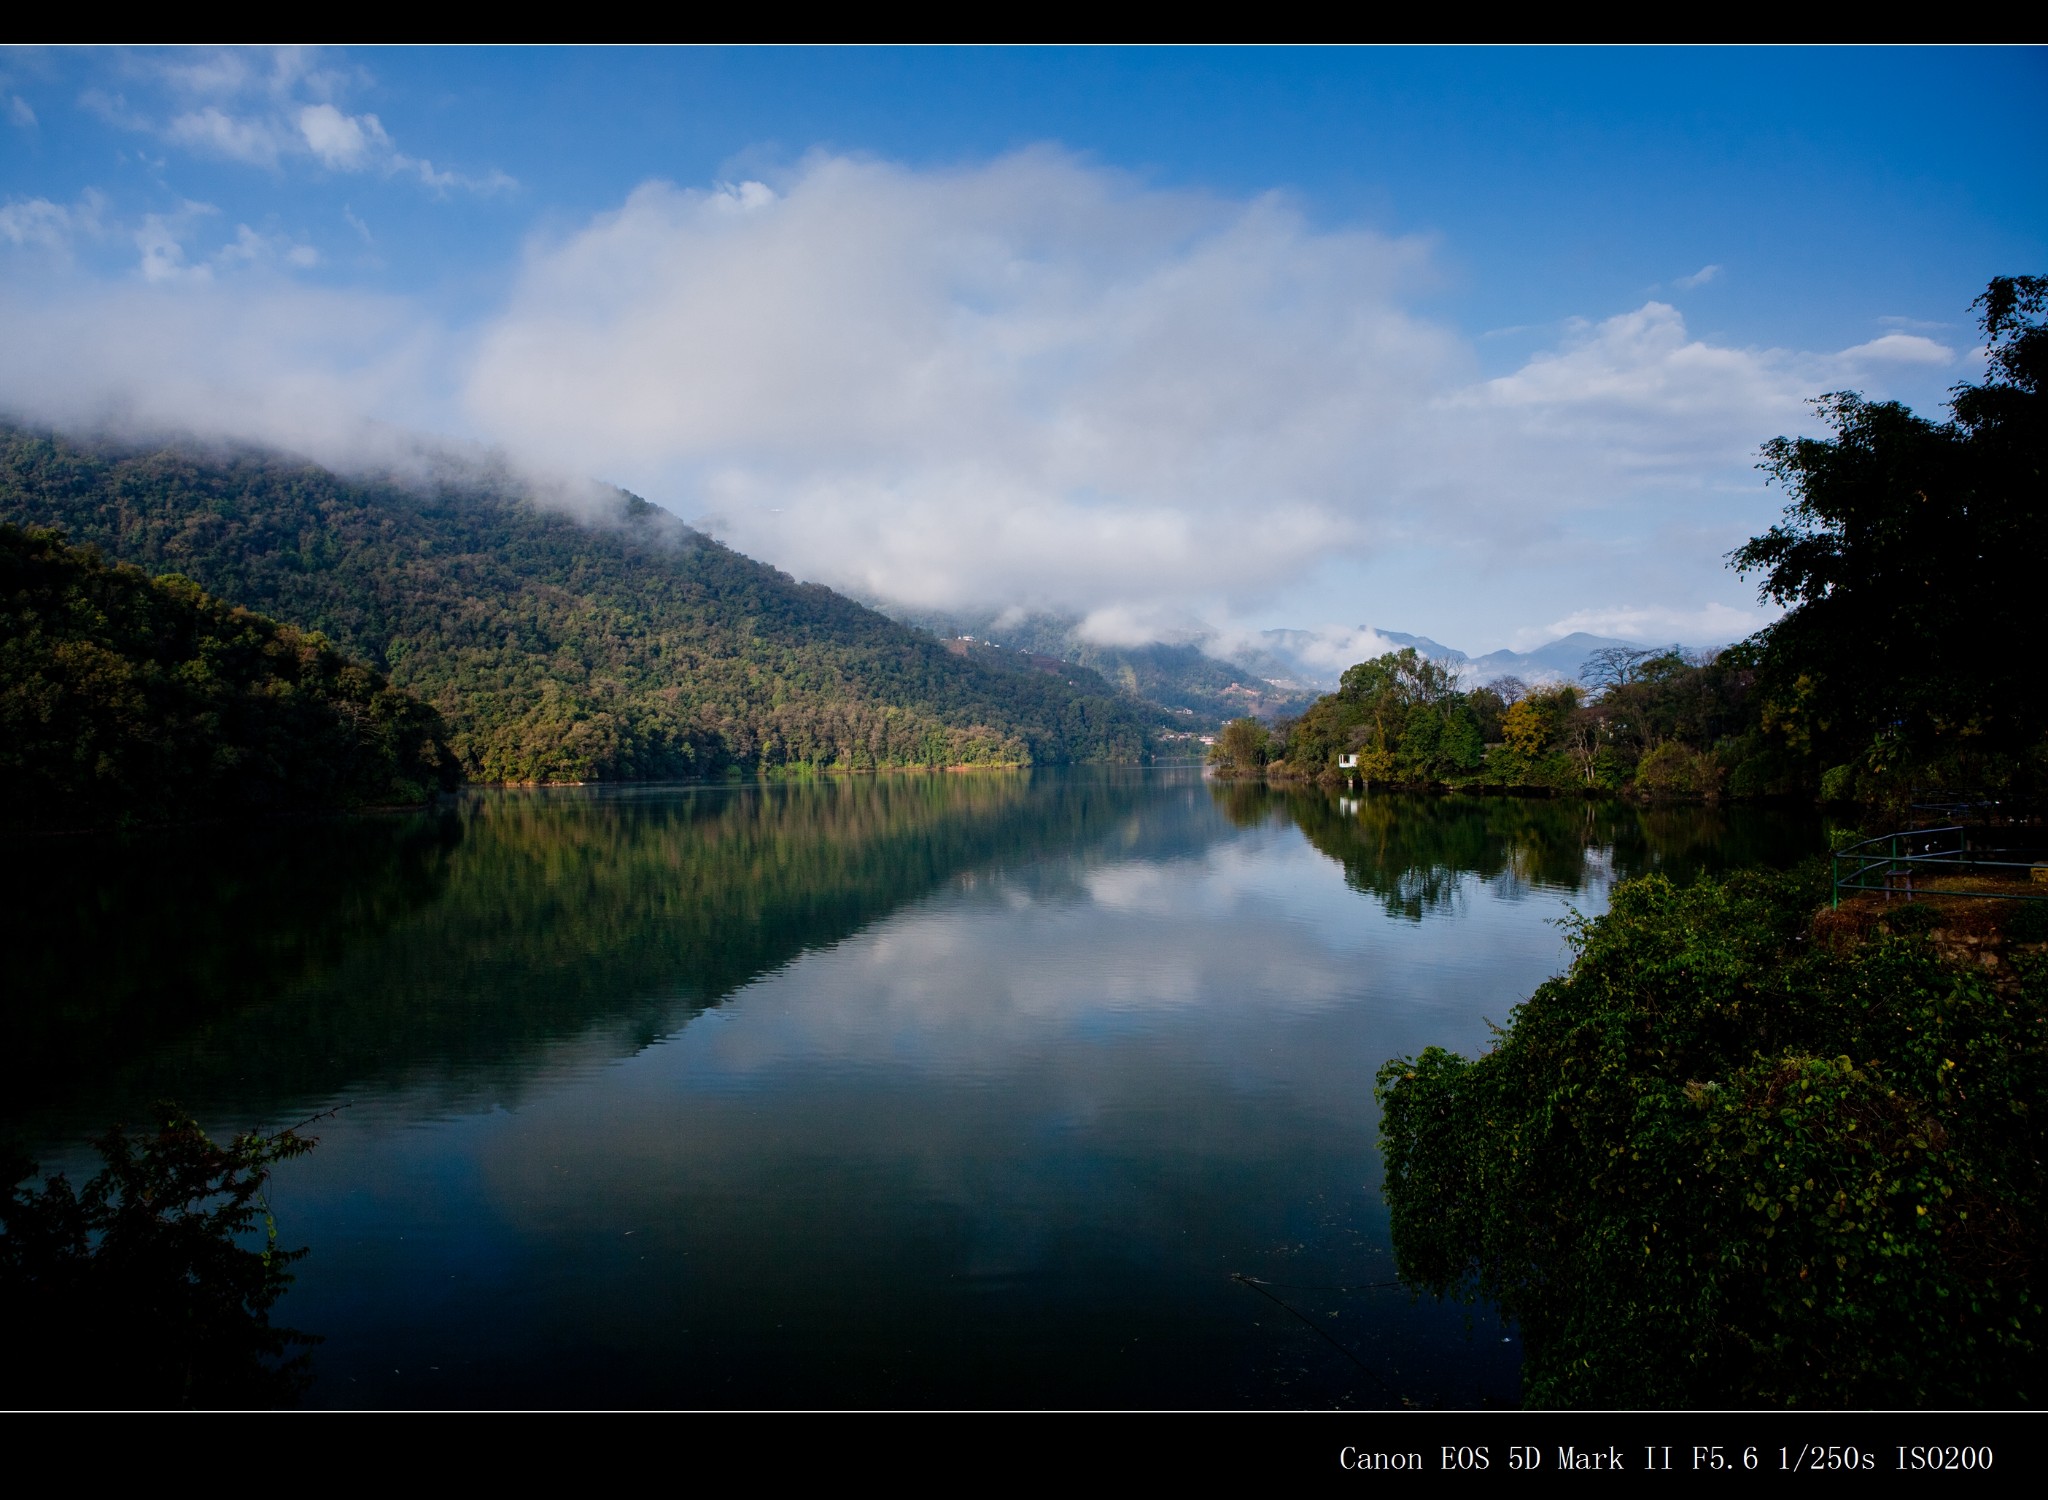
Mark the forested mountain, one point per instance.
(619, 646)
(127, 698)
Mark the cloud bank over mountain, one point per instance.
(1033, 381)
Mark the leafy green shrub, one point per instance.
(2029, 924)
(1244, 745)
(1610, 769)
(1722, 1162)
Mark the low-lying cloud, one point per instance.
(1032, 381)
(1038, 382)
(1029, 382)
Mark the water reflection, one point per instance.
(120, 946)
(248, 973)
(1412, 854)
(905, 1091)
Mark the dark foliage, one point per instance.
(125, 698)
(137, 1289)
(1912, 557)
(616, 647)
(1731, 1159)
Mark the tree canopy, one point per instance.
(127, 698)
(1912, 557)
(1400, 713)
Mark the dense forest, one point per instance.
(610, 647)
(125, 698)
(1911, 560)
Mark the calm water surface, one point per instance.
(914, 1091)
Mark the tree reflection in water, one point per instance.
(1413, 854)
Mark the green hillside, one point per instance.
(127, 698)
(625, 646)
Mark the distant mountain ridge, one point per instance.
(1276, 675)
(1561, 660)
(1192, 689)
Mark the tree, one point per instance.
(137, 1290)
(1242, 746)
(1912, 557)
(1614, 666)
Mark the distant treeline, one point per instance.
(616, 646)
(1912, 559)
(125, 698)
(1659, 724)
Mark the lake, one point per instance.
(914, 1091)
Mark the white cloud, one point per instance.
(1132, 625)
(1899, 348)
(265, 108)
(54, 228)
(19, 112)
(1646, 391)
(1708, 625)
(1027, 382)
(343, 142)
(346, 378)
(166, 244)
(1031, 378)
(212, 130)
(1320, 654)
(1698, 278)
(493, 181)
(161, 242)
(249, 248)
(1034, 382)
(1636, 398)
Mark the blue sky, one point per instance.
(1476, 343)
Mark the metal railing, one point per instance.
(1891, 863)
